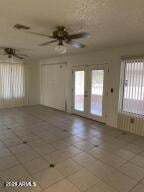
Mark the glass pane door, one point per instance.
(79, 90)
(96, 100)
(88, 92)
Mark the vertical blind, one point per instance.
(12, 84)
(133, 86)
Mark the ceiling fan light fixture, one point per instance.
(61, 49)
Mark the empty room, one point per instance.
(72, 96)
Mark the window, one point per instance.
(97, 92)
(133, 86)
(12, 83)
(79, 90)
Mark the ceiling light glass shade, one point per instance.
(61, 49)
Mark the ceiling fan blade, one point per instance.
(40, 34)
(79, 35)
(75, 44)
(19, 57)
(23, 55)
(47, 43)
(21, 27)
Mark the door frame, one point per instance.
(88, 69)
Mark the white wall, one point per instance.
(33, 82)
(113, 58)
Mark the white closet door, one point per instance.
(53, 86)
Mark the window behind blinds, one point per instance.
(133, 86)
(12, 84)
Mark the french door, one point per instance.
(88, 92)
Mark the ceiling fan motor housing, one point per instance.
(10, 52)
(60, 33)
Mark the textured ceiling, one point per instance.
(112, 23)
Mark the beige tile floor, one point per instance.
(87, 155)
